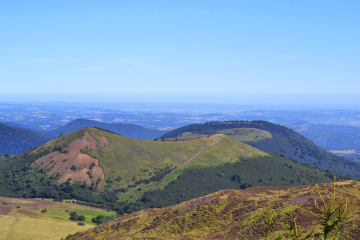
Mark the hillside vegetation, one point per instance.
(14, 141)
(103, 169)
(282, 141)
(125, 129)
(241, 173)
(27, 219)
(234, 214)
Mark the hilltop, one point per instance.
(279, 139)
(14, 140)
(125, 129)
(232, 214)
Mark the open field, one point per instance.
(28, 222)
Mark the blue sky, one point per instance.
(180, 51)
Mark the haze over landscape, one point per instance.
(179, 120)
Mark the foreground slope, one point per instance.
(231, 214)
(282, 141)
(23, 219)
(15, 140)
(125, 129)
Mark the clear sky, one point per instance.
(182, 51)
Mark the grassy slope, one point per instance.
(227, 151)
(128, 157)
(28, 222)
(231, 214)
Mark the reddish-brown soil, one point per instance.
(62, 162)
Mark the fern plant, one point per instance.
(331, 219)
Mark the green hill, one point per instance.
(106, 170)
(14, 141)
(125, 129)
(282, 141)
(234, 214)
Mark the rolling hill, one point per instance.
(106, 170)
(125, 129)
(282, 141)
(234, 214)
(123, 160)
(14, 141)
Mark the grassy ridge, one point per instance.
(135, 159)
(283, 141)
(228, 150)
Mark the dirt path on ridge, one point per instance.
(197, 154)
(189, 160)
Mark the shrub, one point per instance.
(81, 218)
(73, 216)
(44, 210)
(81, 224)
(18, 206)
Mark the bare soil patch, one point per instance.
(63, 162)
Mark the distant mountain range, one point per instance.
(124, 129)
(15, 140)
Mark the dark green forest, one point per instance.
(16, 140)
(284, 141)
